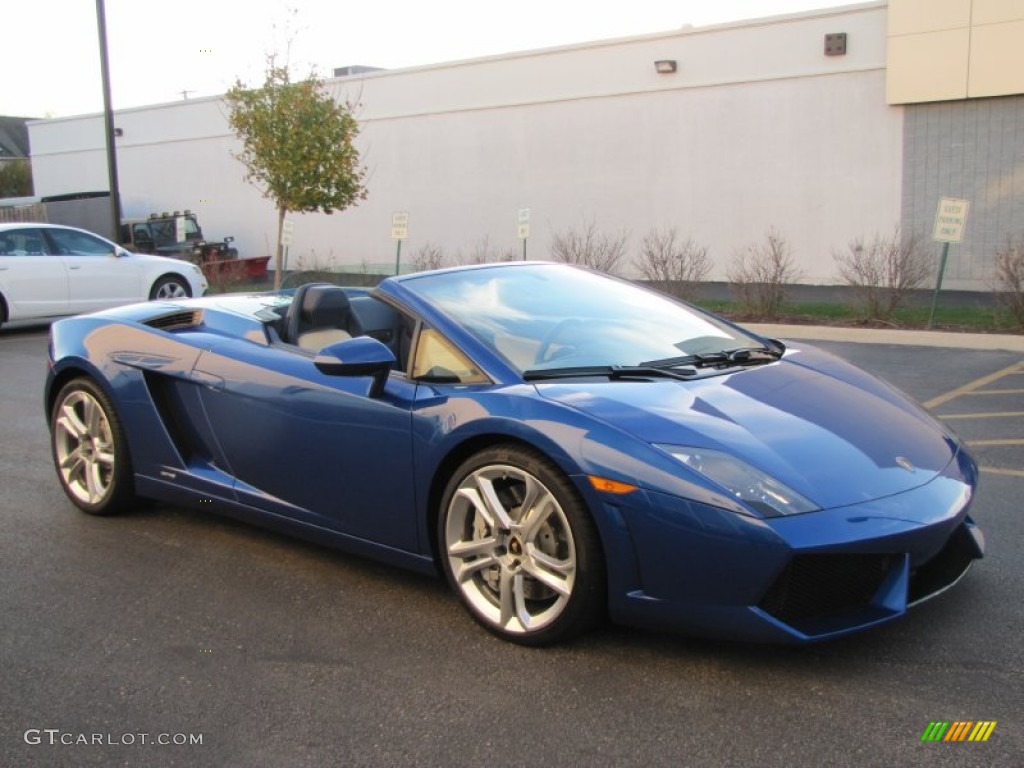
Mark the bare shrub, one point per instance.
(511, 254)
(883, 272)
(1009, 279)
(484, 252)
(589, 248)
(429, 256)
(672, 265)
(224, 275)
(759, 274)
(312, 267)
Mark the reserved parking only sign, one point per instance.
(950, 220)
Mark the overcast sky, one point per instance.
(159, 51)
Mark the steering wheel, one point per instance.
(543, 351)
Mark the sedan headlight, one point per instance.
(759, 491)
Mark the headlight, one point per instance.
(759, 491)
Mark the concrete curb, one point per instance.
(947, 339)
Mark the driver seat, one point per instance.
(320, 315)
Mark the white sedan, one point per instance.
(47, 270)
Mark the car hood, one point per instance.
(155, 258)
(828, 430)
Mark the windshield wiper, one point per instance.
(724, 358)
(613, 372)
(683, 368)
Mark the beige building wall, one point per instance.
(943, 50)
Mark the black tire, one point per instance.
(520, 549)
(90, 453)
(170, 287)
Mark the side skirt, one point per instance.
(155, 488)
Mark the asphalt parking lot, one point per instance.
(176, 623)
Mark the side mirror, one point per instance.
(361, 356)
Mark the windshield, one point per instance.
(553, 316)
(165, 230)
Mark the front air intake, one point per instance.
(820, 586)
(946, 568)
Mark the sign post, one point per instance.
(950, 220)
(399, 232)
(523, 219)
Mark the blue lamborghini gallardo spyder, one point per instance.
(562, 446)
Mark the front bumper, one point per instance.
(815, 576)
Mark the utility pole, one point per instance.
(108, 121)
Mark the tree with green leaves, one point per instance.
(297, 146)
(15, 178)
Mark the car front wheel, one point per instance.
(520, 549)
(170, 287)
(89, 449)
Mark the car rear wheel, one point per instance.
(89, 449)
(170, 287)
(520, 549)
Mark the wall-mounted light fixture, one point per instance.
(665, 66)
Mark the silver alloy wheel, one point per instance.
(510, 548)
(170, 289)
(84, 447)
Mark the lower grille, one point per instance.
(819, 586)
(945, 568)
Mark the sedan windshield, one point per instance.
(552, 316)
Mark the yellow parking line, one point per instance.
(1001, 471)
(974, 385)
(1001, 415)
(997, 392)
(983, 443)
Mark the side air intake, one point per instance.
(174, 321)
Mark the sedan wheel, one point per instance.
(170, 288)
(521, 549)
(89, 450)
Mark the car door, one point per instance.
(97, 277)
(311, 446)
(33, 280)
